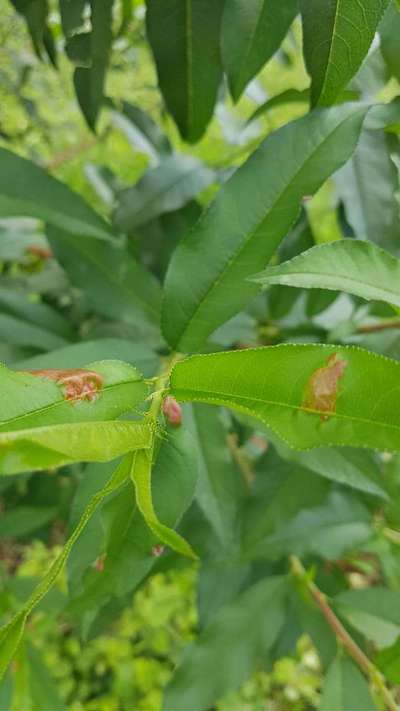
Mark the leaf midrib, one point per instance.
(251, 234)
(59, 403)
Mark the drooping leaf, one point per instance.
(353, 266)
(165, 188)
(11, 633)
(345, 688)
(89, 81)
(115, 283)
(141, 476)
(247, 628)
(373, 214)
(337, 36)
(26, 189)
(189, 67)
(102, 390)
(35, 13)
(251, 34)
(311, 395)
(126, 541)
(57, 445)
(250, 216)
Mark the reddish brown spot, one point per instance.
(100, 562)
(172, 411)
(40, 252)
(77, 384)
(157, 550)
(322, 387)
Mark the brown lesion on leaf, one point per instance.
(77, 384)
(322, 387)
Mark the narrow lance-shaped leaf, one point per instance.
(345, 688)
(117, 286)
(11, 633)
(241, 230)
(99, 391)
(189, 65)
(337, 36)
(26, 189)
(310, 395)
(55, 446)
(241, 634)
(89, 81)
(354, 266)
(141, 476)
(251, 34)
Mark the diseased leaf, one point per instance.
(248, 628)
(345, 688)
(141, 477)
(163, 189)
(189, 67)
(353, 266)
(57, 445)
(252, 213)
(251, 34)
(102, 390)
(337, 36)
(298, 391)
(11, 633)
(26, 189)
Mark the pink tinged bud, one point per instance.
(172, 411)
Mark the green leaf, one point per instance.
(71, 15)
(389, 31)
(247, 628)
(252, 213)
(373, 214)
(337, 36)
(36, 14)
(355, 468)
(18, 332)
(43, 689)
(78, 354)
(340, 524)
(25, 520)
(218, 492)
(189, 67)
(388, 661)
(26, 189)
(288, 96)
(345, 688)
(353, 266)
(89, 81)
(142, 132)
(125, 539)
(39, 313)
(141, 477)
(115, 283)
(57, 445)
(11, 633)
(37, 400)
(311, 395)
(251, 34)
(375, 612)
(165, 188)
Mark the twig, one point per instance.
(348, 643)
(381, 326)
(71, 153)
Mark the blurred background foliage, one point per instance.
(121, 656)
